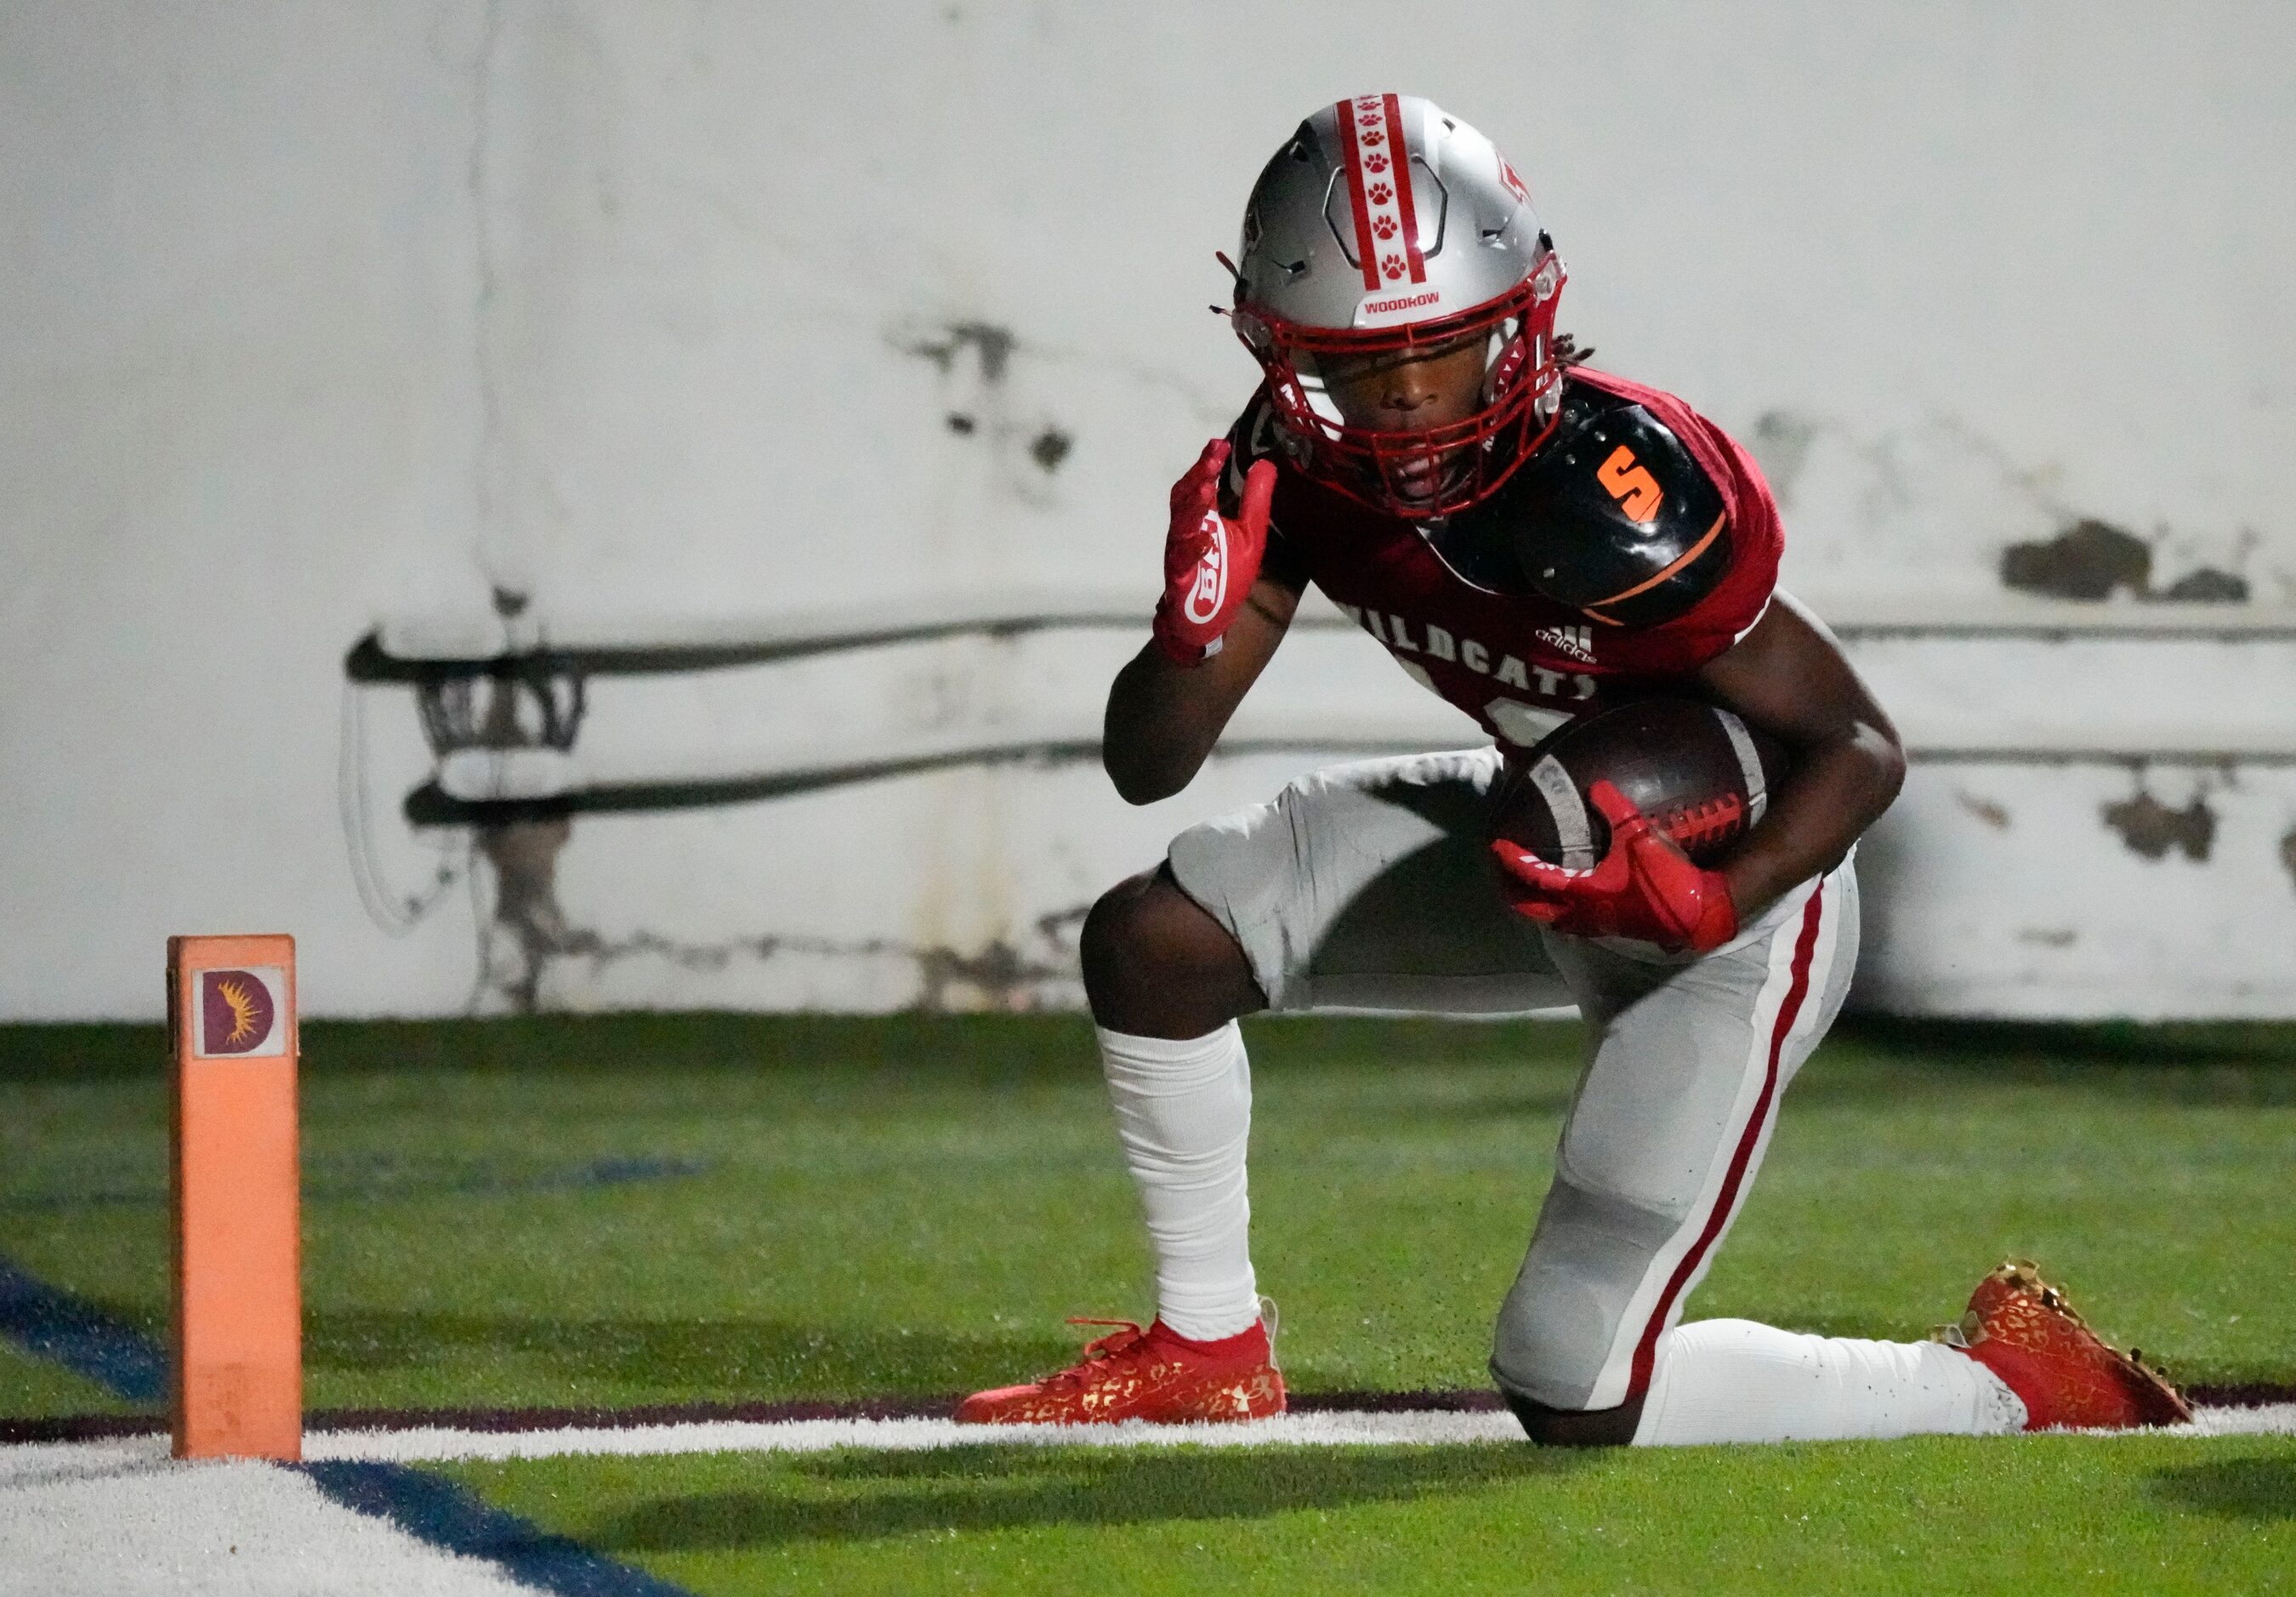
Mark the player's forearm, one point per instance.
(1163, 718)
(1789, 678)
(1839, 788)
(1162, 722)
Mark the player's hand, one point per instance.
(1209, 561)
(1643, 886)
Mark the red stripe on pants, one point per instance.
(1646, 1350)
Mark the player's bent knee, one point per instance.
(1119, 937)
(1577, 1428)
(1156, 964)
(1565, 1320)
(1558, 1424)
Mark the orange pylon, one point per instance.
(237, 1348)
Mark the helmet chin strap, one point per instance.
(1495, 355)
(1543, 406)
(1319, 399)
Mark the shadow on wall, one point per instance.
(2095, 559)
(1896, 486)
(2152, 829)
(974, 360)
(528, 934)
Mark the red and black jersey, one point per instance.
(1637, 545)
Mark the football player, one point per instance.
(1530, 539)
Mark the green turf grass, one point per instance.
(911, 1205)
(34, 1386)
(2022, 1515)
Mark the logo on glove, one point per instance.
(1210, 590)
(1209, 561)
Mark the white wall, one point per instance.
(319, 312)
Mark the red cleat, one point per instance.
(1156, 1375)
(2020, 1328)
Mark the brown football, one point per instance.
(1701, 775)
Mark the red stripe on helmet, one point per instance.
(1392, 110)
(1352, 145)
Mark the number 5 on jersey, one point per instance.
(1629, 483)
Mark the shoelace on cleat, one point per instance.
(1128, 1336)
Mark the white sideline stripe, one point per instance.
(37, 1464)
(2272, 1419)
(1407, 1428)
(120, 1519)
(1425, 1428)
(909, 1435)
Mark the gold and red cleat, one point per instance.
(1156, 1375)
(2020, 1328)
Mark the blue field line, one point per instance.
(389, 1178)
(450, 1516)
(49, 1322)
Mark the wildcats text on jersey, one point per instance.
(1438, 643)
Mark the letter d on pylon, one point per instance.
(238, 1391)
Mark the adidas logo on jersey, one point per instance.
(1576, 641)
(1438, 643)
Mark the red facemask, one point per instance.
(1429, 471)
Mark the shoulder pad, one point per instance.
(1253, 437)
(1615, 517)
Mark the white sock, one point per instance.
(1733, 1380)
(1184, 1113)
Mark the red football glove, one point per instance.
(1209, 561)
(1644, 887)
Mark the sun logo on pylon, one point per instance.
(240, 1002)
(237, 1012)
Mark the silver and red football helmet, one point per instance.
(1385, 226)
